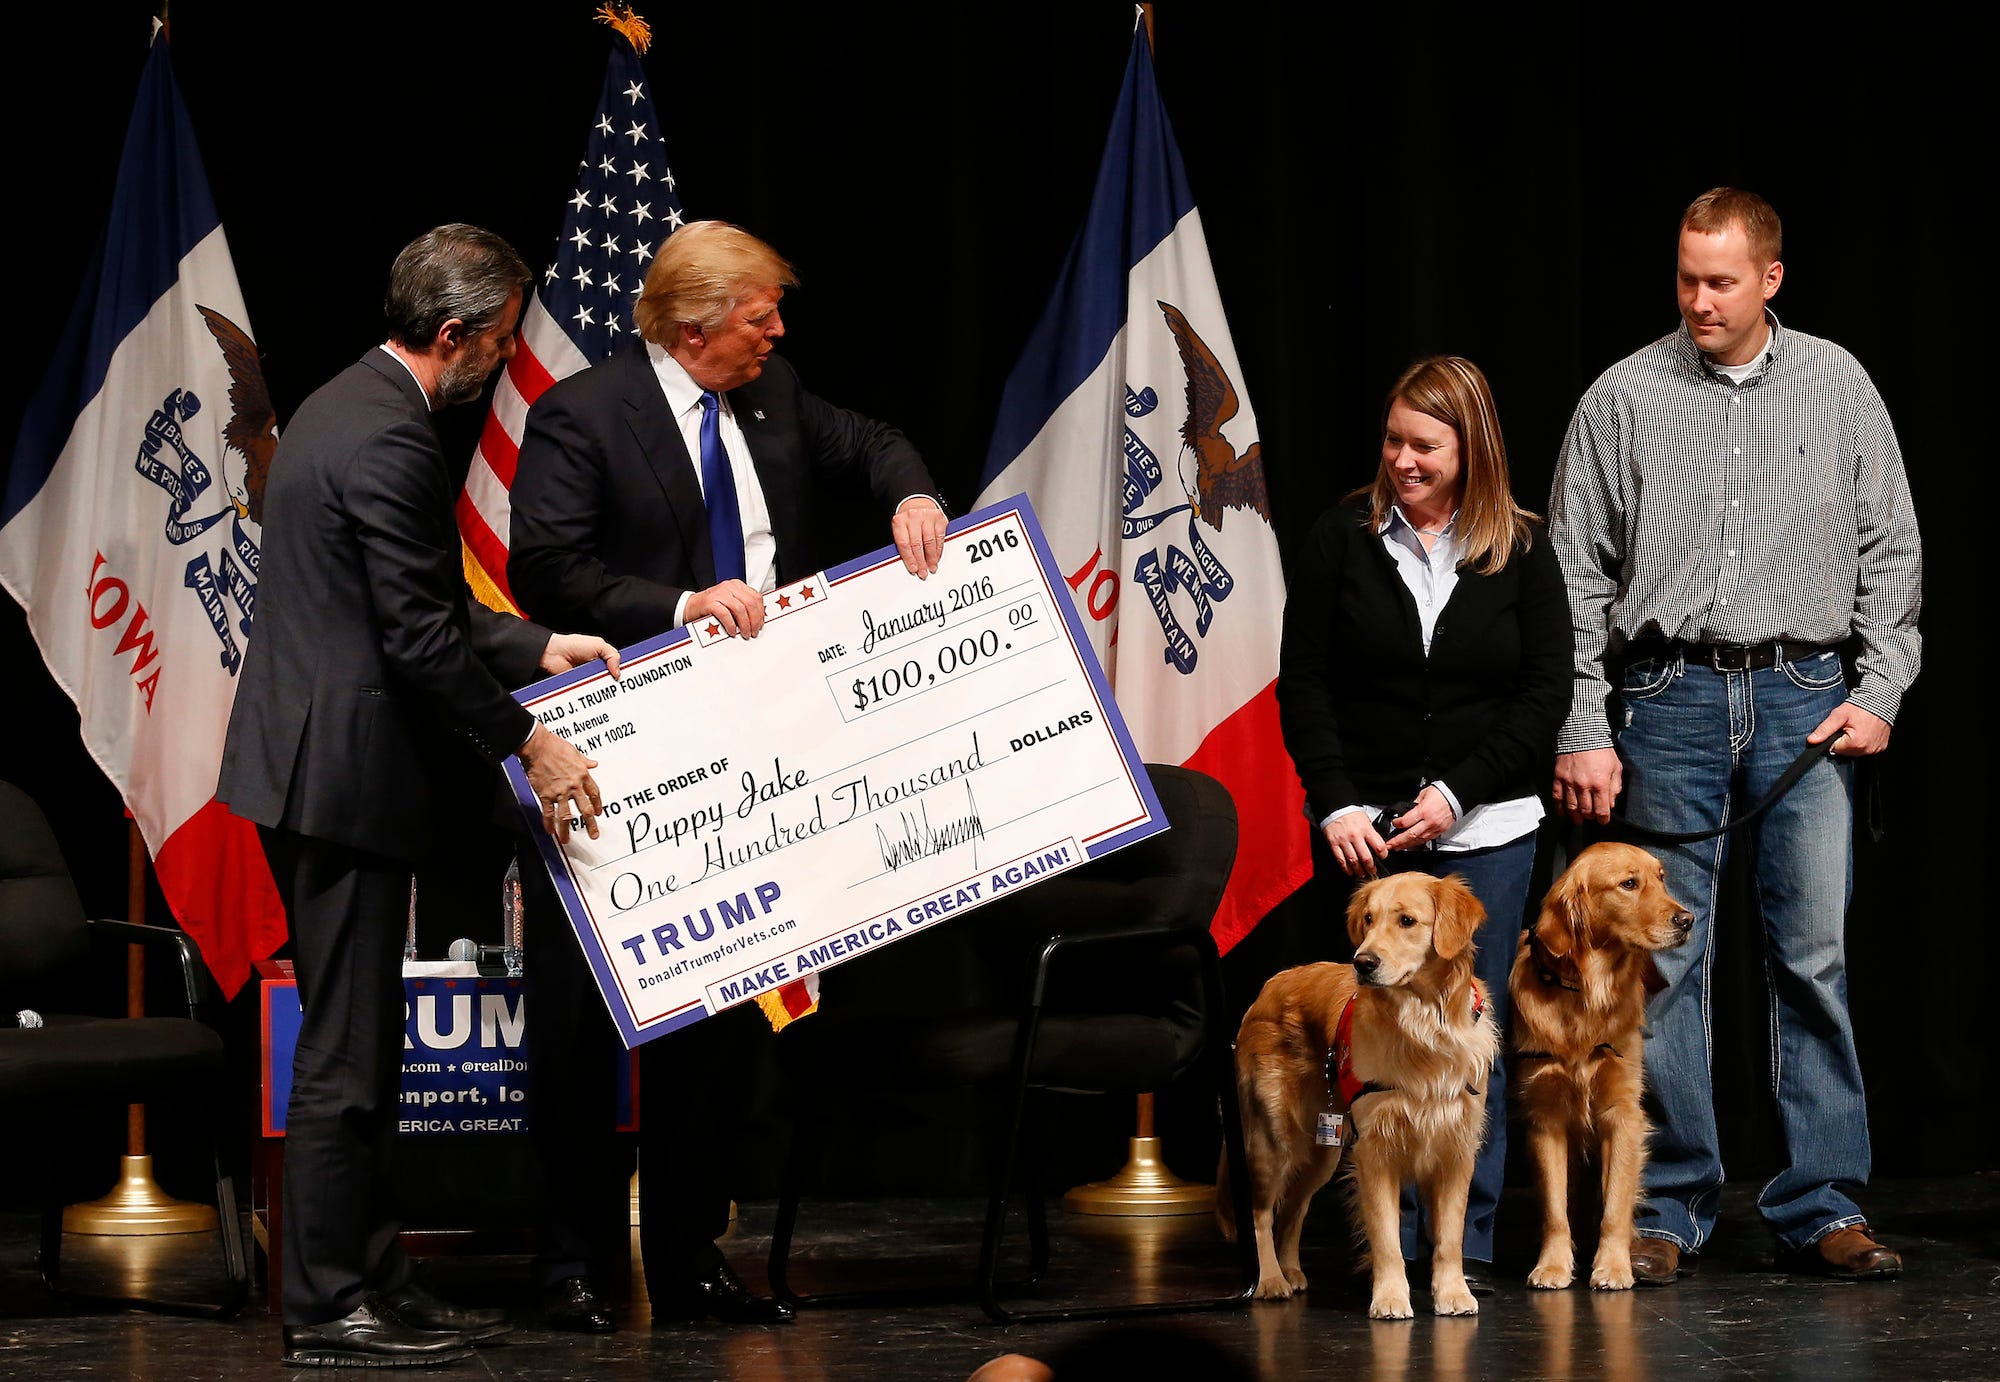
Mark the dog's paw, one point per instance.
(1296, 1276)
(1454, 1300)
(1553, 1272)
(1611, 1272)
(1273, 1288)
(1551, 1278)
(1392, 1304)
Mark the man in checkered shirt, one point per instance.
(1744, 572)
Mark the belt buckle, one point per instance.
(1725, 658)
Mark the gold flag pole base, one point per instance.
(1144, 1187)
(138, 1208)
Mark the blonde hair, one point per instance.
(1491, 526)
(1719, 208)
(699, 275)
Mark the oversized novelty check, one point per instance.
(886, 754)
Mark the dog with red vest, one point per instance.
(1383, 1064)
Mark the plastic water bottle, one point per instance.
(410, 935)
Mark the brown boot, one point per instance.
(1656, 1261)
(1846, 1254)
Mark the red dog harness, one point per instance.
(1340, 1074)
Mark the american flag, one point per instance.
(623, 205)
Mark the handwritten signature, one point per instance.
(920, 839)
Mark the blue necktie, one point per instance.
(718, 489)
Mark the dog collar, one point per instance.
(1545, 967)
(1616, 1054)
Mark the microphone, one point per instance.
(491, 959)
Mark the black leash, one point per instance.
(1809, 755)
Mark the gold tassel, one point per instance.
(484, 588)
(620, 17)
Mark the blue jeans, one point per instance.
(1697, 745)
(1499, 878)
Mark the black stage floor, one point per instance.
(1736, 1319)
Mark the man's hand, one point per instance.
(732, 604)
(571, 650)
(1424, 822)
(1355, 844)
(1588, 783)
(1866, 732)
(919, 532)
(560, 777)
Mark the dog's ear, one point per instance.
(1560, 928)
(1357, 910)
(1458, 916)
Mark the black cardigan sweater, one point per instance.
(1368, 717)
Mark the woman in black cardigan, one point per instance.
(1425, 671)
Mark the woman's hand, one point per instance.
(1355, 844)
(1422, 823)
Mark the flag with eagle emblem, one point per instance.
(130, 525)
(1127, 425)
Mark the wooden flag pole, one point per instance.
(136, 1206)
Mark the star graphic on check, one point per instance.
(807, 592)
(714, 630)
(784, 602)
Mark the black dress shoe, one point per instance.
(415, 1306)
(365, 1339)
(574, 1306)
(720, 1294)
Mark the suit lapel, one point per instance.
(755, 408)
(659, 440)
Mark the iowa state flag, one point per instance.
(129, 525)
(1127, 425)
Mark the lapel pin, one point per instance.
(758, 413)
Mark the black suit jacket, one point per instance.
(369, 665)
(608, 527)
(1368, 717)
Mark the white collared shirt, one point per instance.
(760, 545)
(1430, 578)
(389, 351)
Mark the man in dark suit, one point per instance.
(370, 669)
(656, 488)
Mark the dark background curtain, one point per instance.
(1375, 184)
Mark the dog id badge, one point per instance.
(1328, 1133)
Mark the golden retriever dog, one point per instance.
(1579, 1000)
(1421, 1043)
